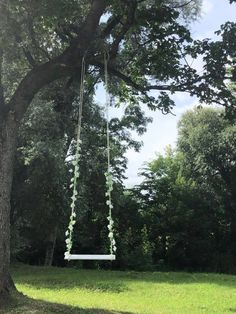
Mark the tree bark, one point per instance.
(50, 247)
(8, 132)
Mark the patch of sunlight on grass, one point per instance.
(129, 292)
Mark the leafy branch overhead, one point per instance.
(149, 45)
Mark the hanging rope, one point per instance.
(75, 163)
(108, 174)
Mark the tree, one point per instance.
(179, 218)
(208, 141)
(43, 41)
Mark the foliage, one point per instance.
(198, 129)
(207, 140)
(149, 40)
(134, 246)
(39, 197)
(187, 198)
(179, 220)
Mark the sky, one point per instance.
(163, 130)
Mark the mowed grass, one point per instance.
(92, 291)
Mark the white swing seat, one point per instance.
(102, 257)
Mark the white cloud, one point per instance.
(207, 6)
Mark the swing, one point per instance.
(108, 175)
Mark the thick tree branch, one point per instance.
(64, 65)
(2, 102)
(179, 6)
(140, 88)
(125, 28)
(34, 81)
(111, 24)
(144, 89)
(93, 18)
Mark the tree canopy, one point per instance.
(148, 40)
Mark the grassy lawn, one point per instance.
(89, 291)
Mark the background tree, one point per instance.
(207, 140)
(179, 219)
(187, 197)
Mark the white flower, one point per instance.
(111, 222)
(70, 227)
(73, 198)
(67, 255)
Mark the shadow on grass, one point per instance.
(21, 304)
(111, 281)
(69, 283)
(67, 278)
(178, 278)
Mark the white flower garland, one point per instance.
(110, 226)
(108, 174)
(73, 185)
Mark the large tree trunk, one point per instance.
(8, 131)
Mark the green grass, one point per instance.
(106, 292)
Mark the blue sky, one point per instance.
(163, 130)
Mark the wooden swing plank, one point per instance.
(109, 257)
